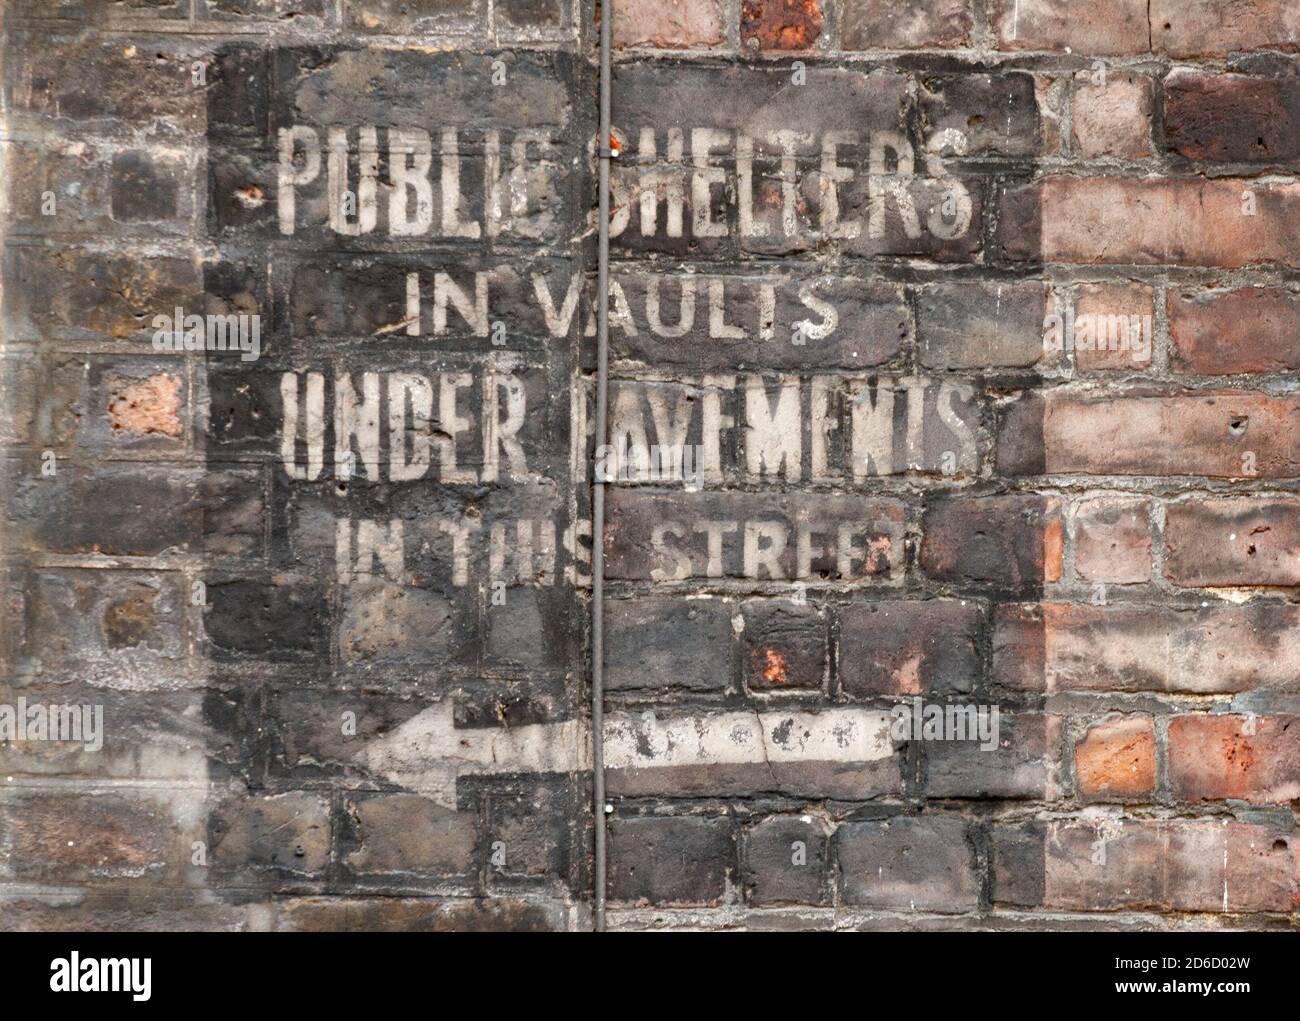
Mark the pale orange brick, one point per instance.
(1117, 758)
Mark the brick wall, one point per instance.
(972, 324)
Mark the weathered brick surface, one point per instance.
(1112, 115)
(1226, 332)
(1117, 758)
(1110, 27)
(1232, 118)
(952, 530)
(1215, 757)
(1109, 864)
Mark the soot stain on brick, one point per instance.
(274, 618)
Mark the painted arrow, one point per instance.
(428, 752)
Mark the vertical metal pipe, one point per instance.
(603, 149)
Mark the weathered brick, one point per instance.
(1223, 435)
(1113, 540)
(1152, 221)
(1248, 329)
(780, 24)
(531, 19)
(302, 13)
(1114, 327)
(115, 301)
(661, 643)
(1001, 541)
(383, 622)
(107, 627)
(1109, 28)
(670, 860)
(922, 863)
(530, 835)
(1109, 864)
(909, 647)
(674, 25)
(1193, 28)
(980, 325)
(959, 103)
(785, 860)
(106, 836)
(98, 190)
(416, 16)
(280, 835)
(1204, 650)
(1023, 762)
(909, 25)
(274, 617)
(107, 12)
(139, 510)
(121, 87)
(165, 737)
(785, 646)
(1116, 758)
(1112, 115)
(1250, 758)
(1232, 118)
(1225, 541)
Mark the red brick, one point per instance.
(1112, 116)
(1203, 650)
(1250, 329)
(669, 24)
(1110, 27)
(780, 24)
(904, 24)
(1251, 758)
(1222, 435)
(1233, 118)
(1116, 758)
(1113, 540)
(1194, 28)
(1233, 541)
(1153, 221)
